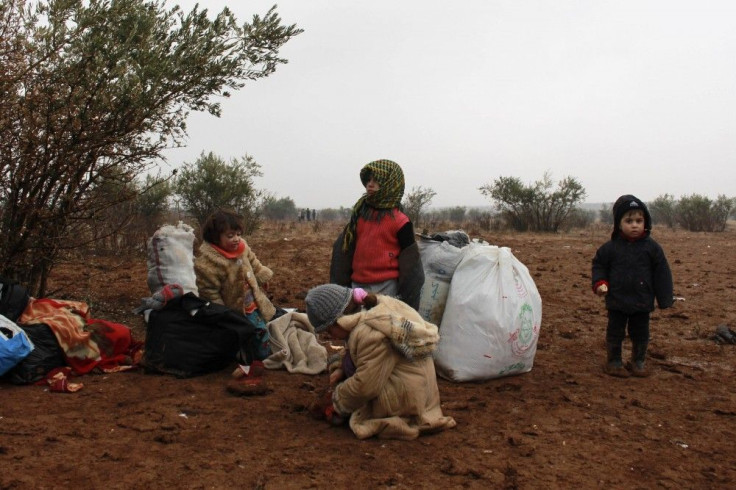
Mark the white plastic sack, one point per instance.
(171, 258)
(492, 318)
(439, 260)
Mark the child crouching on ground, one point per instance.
(386, 383)
(630, 270)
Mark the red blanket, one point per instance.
(88, 343)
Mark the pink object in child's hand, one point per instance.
(359, 295)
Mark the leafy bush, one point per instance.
(699, 213)
(535, 207)
(579, 218)
(211, 182)
(279, 209)
(416, 201)
(664, 210)
(605, 214)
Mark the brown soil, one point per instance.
(565, 424)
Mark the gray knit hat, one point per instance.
(325, 304)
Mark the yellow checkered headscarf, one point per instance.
(390, 179)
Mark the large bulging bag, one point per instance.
(191, 337)
(14, 345)
(171, 258)
(439, 260)
(491, 323)
(46, 355)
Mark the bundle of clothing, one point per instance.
(87, 343)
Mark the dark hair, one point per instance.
(366, 176)
(219, 222)
(370, 301)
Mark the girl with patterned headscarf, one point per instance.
(376, 250)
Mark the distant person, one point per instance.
(631, 270)
(385, 383)
(230, 274)
(376, 250)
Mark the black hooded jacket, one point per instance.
(637, 271)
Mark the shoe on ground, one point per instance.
(615, 369)
(247, 387)
(256, 369)
(640, 371)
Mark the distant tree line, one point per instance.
(692, 213)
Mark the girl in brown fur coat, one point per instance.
(230, 274)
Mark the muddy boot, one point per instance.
(614, 365)
(638, 359)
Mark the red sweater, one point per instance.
(377, 248)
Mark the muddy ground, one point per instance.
(564, 424)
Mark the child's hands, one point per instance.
(318, 407)
(322, 409)
(602, 290)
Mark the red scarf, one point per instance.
(231, 255)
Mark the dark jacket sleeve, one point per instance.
(341, 265)
(601, 263)
(411, 275)
(663, 288)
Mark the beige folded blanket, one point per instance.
(294, 345)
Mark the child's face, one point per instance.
(371, 187)
(229, 240)
(632, 224)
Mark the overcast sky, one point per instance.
(627, 96)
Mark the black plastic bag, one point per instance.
(191, 337)
(46, 355)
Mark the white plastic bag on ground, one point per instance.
(491, 322)
(439, 260)
(171, 258)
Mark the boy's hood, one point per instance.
(627, 203)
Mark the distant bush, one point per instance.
(579, 218)
(211, 182)
(699, 213)
(535, 207)
(332, 214)
(279, 209)
(664, 210)
(416, 201)
(605, 214)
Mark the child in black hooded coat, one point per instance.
(630, 270)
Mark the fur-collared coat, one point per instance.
(393, 393)
(221, 280)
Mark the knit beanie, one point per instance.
(325, 304)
